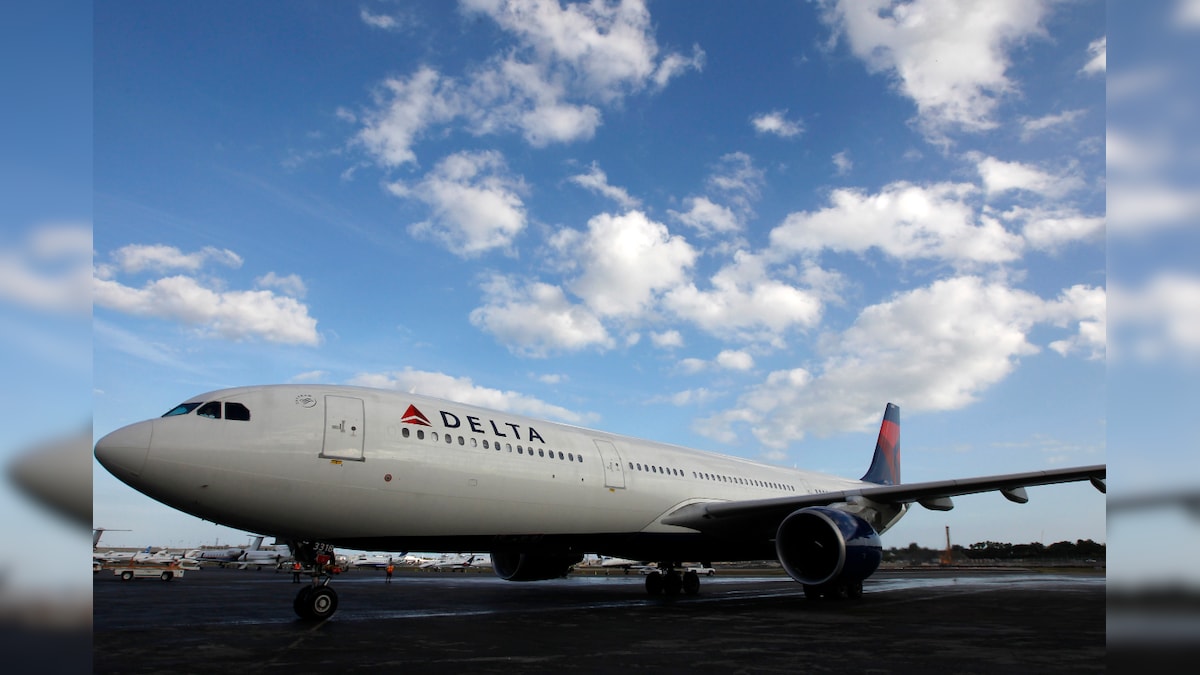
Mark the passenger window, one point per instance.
(434, 436)
(475, 444)
(461, 441)
(236, 411)
(182, 409)
(520, 450)
(570, 457)
(449, 439)
(541, 452)
(404, 432)
(486, 446)
(420, 434)
(212, 410)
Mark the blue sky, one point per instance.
(738, 231)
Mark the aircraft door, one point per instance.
(344, 428)
(614, 474)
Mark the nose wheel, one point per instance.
(315, 603)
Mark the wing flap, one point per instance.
(708, 516)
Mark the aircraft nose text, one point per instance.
(124, 451)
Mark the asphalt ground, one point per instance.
(242, 621)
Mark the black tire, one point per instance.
(301, 603)
(672, 584)
(127, 576)
(323, 601)
(654, 583)
(712, 573)
(691, 583)
(854, 590)
(167, 576)
(813, 592)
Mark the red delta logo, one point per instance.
(414, 416)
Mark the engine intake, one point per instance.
(819, 545)
(518, 566)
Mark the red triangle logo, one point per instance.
(414, 416)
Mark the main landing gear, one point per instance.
(668, 581)
(316, 601)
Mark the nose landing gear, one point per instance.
(316, 601)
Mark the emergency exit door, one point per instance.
(614, 475)
(343, 428)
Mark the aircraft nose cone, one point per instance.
(124, 451)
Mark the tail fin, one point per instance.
(885, 465)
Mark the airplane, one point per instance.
(319, 466)
(259, 556)
(377, 560)
(457, 563)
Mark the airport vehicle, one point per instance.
(324, 466)
(702, 570)
(148, 571)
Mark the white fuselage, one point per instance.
(386, 470)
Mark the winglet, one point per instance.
(885, 465)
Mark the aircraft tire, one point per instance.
(691, 583)
(654, 583)
(672, 584)
(854, 590)
(316, 603)
(301, 603)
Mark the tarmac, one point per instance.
(961, 621)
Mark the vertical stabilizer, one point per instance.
(885, 465)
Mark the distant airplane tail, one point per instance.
(885, 465)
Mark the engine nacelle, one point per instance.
(517, 566)
(819, 545)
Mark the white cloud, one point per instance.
(234, 315)
(777, 123)
(1097, 58)
(1087, 307)
(1032, 126)
(626, 262)
(597, 181)
(667, 339)
(735, 359)
(51, 270)
(311, 376)
(537, 319)
(382, 21)
(1159, 320)
(935, 348)
(1000, 176)
(904, 221)
(745, 303)
(842, 162)
(476, 203)
(291, 284)
(736, 177)
(464, 390)
(136, 258)
(564, 62)
(949, 57)
(403, 110)
(606, 49)
(1050, 229)
(707, 217)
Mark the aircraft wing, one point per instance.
(710, 516)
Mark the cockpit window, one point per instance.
(236, 411)
(182, 409)
(211, 409)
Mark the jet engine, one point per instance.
(518, 566)
(824, 548)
